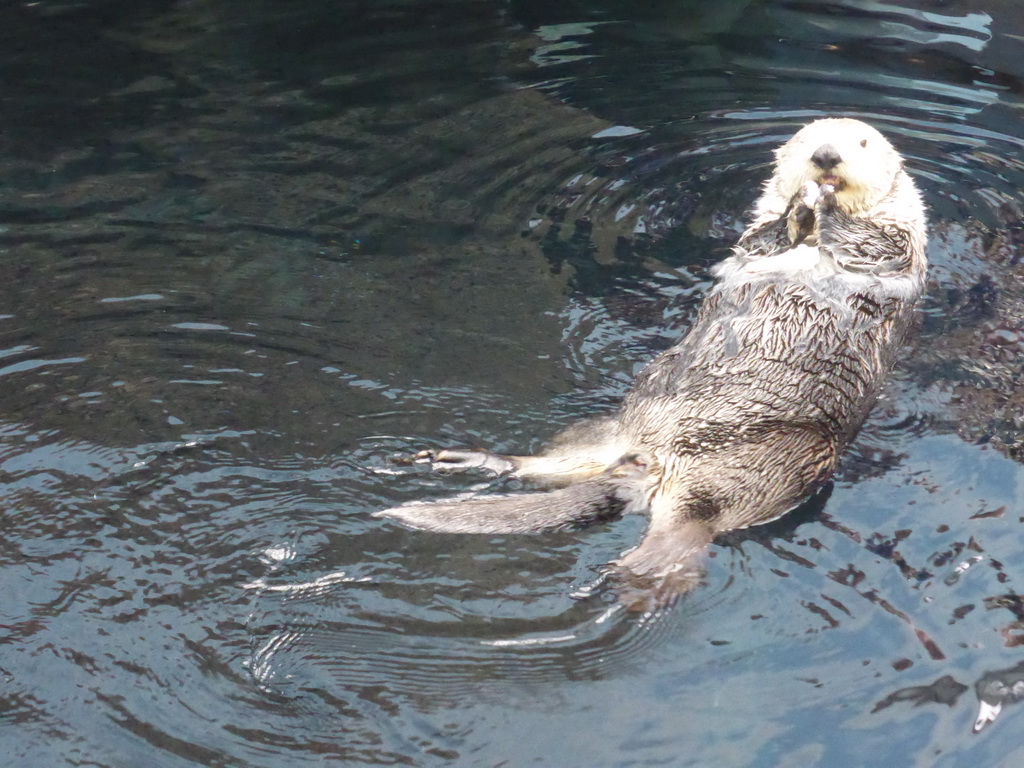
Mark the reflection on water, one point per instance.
(255, 252)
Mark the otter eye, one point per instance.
(863, 142)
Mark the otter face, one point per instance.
(851, 156)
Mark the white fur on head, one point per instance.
(869, 183)
(864, 176)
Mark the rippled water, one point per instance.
(257, 252)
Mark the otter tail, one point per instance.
(602, 498)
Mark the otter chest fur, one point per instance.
(748, 414)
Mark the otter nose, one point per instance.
(826, 157)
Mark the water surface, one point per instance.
(256, 252)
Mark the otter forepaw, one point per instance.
(826, 202)
(800, 223)
(811, 191)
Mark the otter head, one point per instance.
(851, 156)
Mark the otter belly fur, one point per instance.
(749, 413)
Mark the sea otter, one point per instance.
(748, 414)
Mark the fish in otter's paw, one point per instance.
(749, 413)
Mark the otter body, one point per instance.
(749, 413)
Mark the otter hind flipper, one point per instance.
(547, 469)
(463, 459)
(663, 567)
(566, 508)
(579, 452)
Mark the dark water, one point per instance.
(254, 251)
